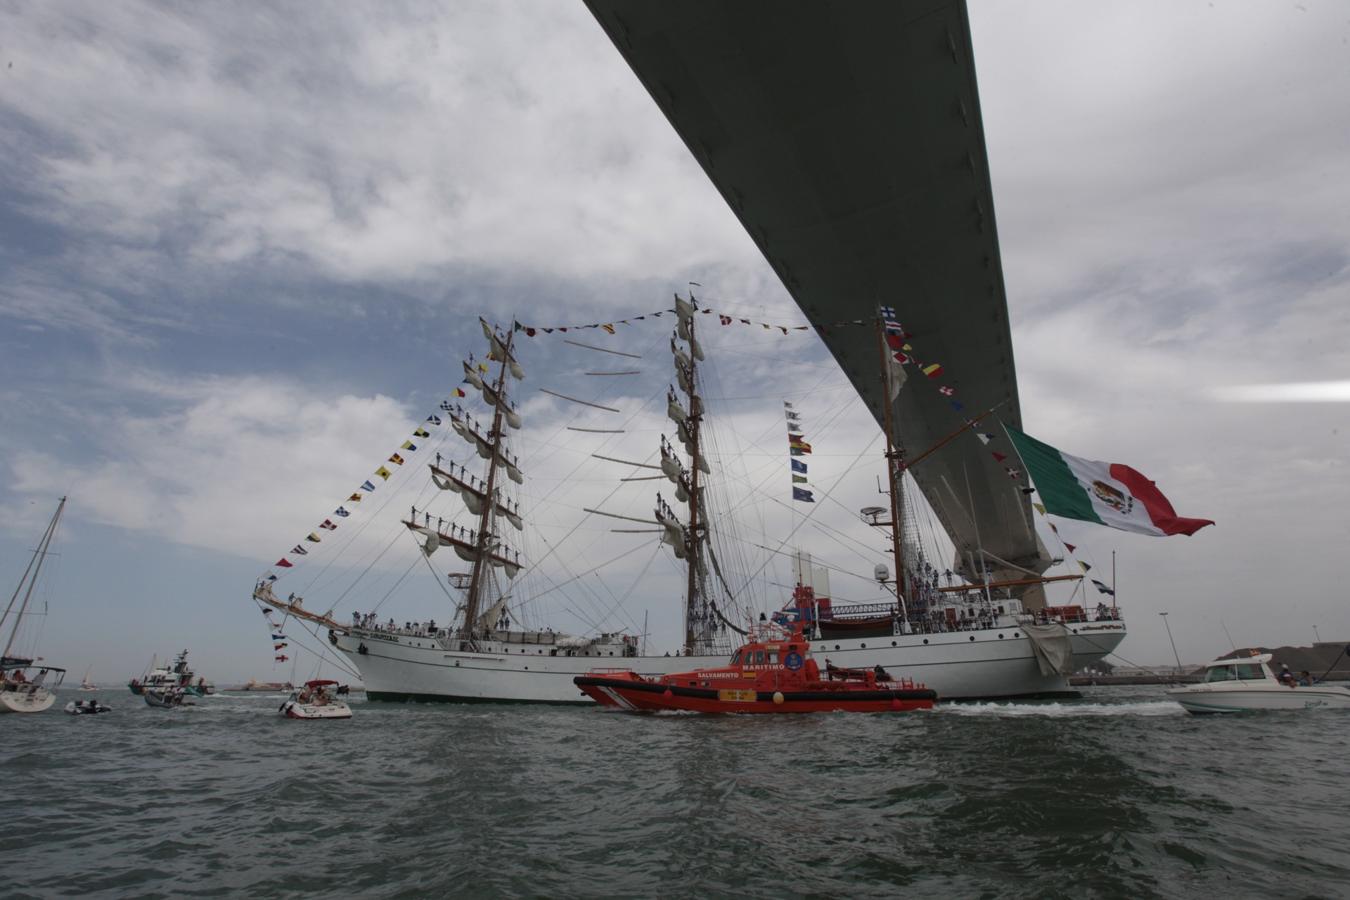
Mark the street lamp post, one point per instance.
(1175, 655)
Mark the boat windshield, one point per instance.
(1220, 673)
(1250, 672)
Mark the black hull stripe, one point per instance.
(647, 687)
(405, 697)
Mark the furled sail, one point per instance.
(464, 542)
(497, 350)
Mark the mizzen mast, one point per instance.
(890, 339)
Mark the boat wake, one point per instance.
(1063, 710)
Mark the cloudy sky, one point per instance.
(243, 251)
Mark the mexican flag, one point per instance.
(1105, 493)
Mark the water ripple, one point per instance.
(1117, 795)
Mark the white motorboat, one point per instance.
(168, 698)
(86, 707)
(316, 700)
(1245, 683)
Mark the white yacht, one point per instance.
(28, 685)
(1245, 683)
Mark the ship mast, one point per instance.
(484, 545)
(895, 466)
(35, 566)
(696, 528)
(687, 540)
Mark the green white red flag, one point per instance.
(1108, 494)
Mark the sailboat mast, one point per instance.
(894, 467)
(481, 561)
(40, 555)
(695, 453)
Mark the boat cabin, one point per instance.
(319, 692)
(775, 659)
(1246, 668)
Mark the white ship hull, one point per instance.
(959, 665)
(1205, 698)
(28, 699)
(293, 709)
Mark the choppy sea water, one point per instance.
(1120, 794)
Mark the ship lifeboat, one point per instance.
(772, 673)
(316, 700)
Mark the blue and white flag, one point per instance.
(798, 466)
(1103, 588)
(802, 495)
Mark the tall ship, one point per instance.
(27, 684)
(964, 638)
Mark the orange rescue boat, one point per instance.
(772, 673)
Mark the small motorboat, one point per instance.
(86, 707)
(772, 673)
(316, 700)
(1245, 683)
(167, 698)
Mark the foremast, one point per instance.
(689, 540)
(482, 547)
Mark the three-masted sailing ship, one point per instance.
(28, 685)
(965, 641)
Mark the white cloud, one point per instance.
(382, 143)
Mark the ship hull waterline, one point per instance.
(977, 665)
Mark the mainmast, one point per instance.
(688, 540)
(35, 567)
(486, 537)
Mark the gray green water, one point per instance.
(1117, 795)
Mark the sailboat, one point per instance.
(24, 681)
(85, 683)
(965, 641)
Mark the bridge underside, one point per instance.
(847, 138)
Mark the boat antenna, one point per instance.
(1221, 625)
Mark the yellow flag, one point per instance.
(1040, 508)
(408, 445)
(383, 473)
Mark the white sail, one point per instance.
(675, 410)
(471, 375)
